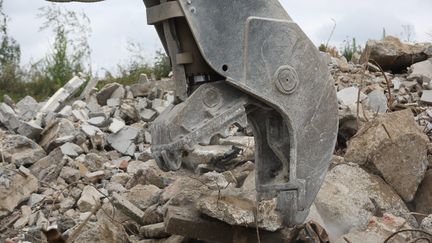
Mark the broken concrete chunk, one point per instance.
(377, 101)
(156, 231)
(236, 211)
(105, 93)
(113, 102)
(123, 141)
(159, 105)
(8, 117)
(349, 96)
(69, 174)
(71, 149)
(20, 150)
(60, 128)
(403, 163)
(205, 155)
(379, 229)
(30, 130)
(71, 87)
(426, 97)
(24, 219)
(95, 176)
(391, 54)
(344, 206)
(397, 136)
(27, 108)
(89, 199)
(421, 71)
(90, 130)
(98, 121)
(426, 224)
(19, 190)
(147, 114)
(116, 125)
(423, 198)
(143, 196)
(35, 199)
(128, 208)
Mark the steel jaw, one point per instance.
(271, 73)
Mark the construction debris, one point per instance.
(85, 165)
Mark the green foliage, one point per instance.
(130, 72)
(349, 48)
(162, 66)
(70, 53)
(10, 54)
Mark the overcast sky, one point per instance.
(115, 22)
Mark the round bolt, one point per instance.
(189, 2)
(211, 98)
(286, 79)
(193, 10)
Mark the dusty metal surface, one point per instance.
(272, 73)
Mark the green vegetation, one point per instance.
(10, 54)
(69, 55)
(349, 48)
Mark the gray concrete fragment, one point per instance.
(394, 145)
(80, 115)
(123, 141)
(426, 224)
(91, 85)
(20, 150)
(421, 71)
(423, 198)
(348, 206)
(143, 196)
(69, 174)
(116, 125)
(89, 199)
(128, 208)
(35, 199)
(71, 149)
(66, 111)
(426, 97)
(27, 108)
(30, 130)
(147, 114)
(113, 102)
(155, 231)
(90, 130)
(377, 101)
(64, 93)
(19, 190)
(98, 121)
(159, 105)
(57, 133)
(8, 117)
(105, 93)
(349, 96)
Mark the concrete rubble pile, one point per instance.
(79, 166)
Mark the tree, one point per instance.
(162, 66)
(10, 54)
(70, 54)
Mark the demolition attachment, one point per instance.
(246, 61)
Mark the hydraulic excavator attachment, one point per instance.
(238, 59)
(246, 61)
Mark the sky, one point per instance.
(114, 23)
